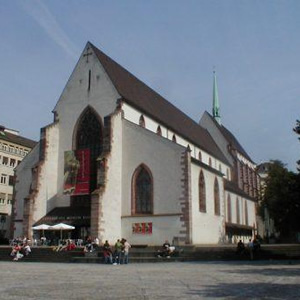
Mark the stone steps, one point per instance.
(148, 254)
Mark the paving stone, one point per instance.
(194, 280)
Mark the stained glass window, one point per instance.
(202, 194)
(143, 191)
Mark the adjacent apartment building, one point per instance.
(13, 148)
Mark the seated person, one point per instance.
(166, 250)
(70, 245)
(240, 247)
(26, 249)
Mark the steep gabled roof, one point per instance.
(231, 139)
(139, 95)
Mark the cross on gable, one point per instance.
(87, 54)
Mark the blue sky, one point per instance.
(170, 45)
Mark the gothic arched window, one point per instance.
(142, 191)
(202, 194)
(229, 218)
(174, 138)
(246, 214)
(238, 219)
(88, 135)
(142, 121)
(217, 197)
(200, 156)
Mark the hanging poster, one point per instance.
(77, 172)
(142, 228)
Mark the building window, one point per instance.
(142, 121)
(209, 162)
(174, 138)
(220, 168)
(158, 131)
(89, 136)
(142, 191)
(202, 194)
(5, 161)
(246, 214)
(9, 199)
(2, 198)
(217, 197)
(229, 219)
(12, 162)
(3, 178)
(200, 156)
(10, 180)
(238, 219)
(227, 174)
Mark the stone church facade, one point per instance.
(148, 172)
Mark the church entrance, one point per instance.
(88, 138)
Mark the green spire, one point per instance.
(216, 106)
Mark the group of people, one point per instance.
(66, 245)
(118, 255)
(19, 250)
(166, 251)
(252, 248)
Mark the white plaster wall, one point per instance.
(102, 97)
(163, 228)
(163, 158)
(250, 206)
(47, 182)
(133, 115)
(111, 199)
(207, 228)
(22, 186)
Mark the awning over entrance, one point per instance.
(76, 216)
(237, 229)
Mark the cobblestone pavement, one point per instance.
(195, 280)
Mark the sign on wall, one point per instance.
(77, 172)
(142, 228)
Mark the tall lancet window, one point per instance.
(229, 218)
(238, 218)
(89, 136)
(246, 214)
(202, 194)
(142, 191)
(217, 197)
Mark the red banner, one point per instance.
(142, 228)
(77, 172)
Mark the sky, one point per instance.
(173, 46)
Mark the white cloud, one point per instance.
(42, 15)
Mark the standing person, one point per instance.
(250, 247)
(107, 253)
(126, 247)
(118, 251)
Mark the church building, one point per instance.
(120, 161)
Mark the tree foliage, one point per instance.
(297, 130)
(282, 198)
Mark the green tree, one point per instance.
(282, 198)
(297, 130)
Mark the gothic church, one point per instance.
(119, 160)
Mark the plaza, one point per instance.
(193, 280)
